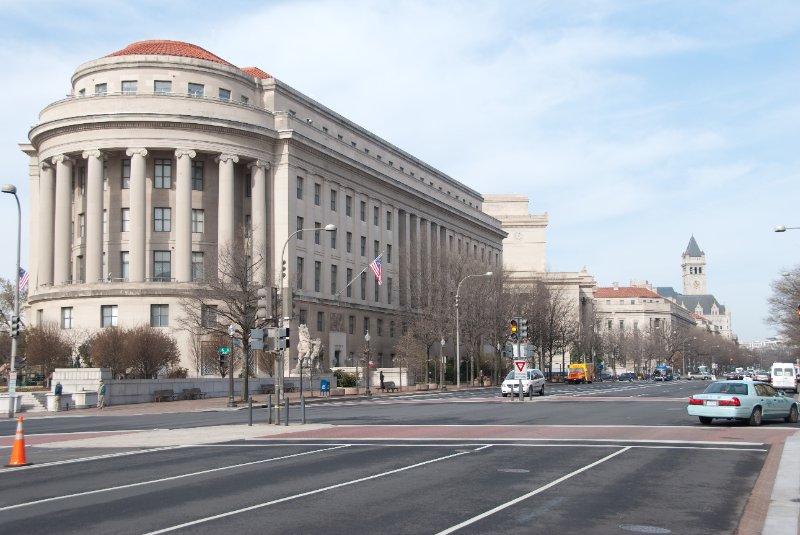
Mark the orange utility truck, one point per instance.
(580, 373)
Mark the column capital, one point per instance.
(261, 164)
(226, 158)
(179, 153)
(63, 159)
(93, 153)
(136, 152)
(46, 166)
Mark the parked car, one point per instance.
(605, 377)
(627, 376)
(742, 400)
(533, 382)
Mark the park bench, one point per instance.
(389, 386)
(193, 393)
(289, 387)
(267, 389)
(164, 395)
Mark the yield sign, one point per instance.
(520, 367)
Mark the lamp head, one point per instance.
(330, 227)
(10, 188)
(779, 228)
(367, 337)
(488, 274)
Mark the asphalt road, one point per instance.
(602, 458)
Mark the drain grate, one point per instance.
(643, 529)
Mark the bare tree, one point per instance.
(783, 306)
(45, 346)
(108, 350)
(149, 350)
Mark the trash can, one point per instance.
(324, 387)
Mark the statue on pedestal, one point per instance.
(308, 351)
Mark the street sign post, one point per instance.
(224, 350)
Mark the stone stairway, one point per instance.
(33, 401)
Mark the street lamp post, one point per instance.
(12, 373)
(781, 228)
(458, 334)
(441, 365)
(231, 332)
(282, 318)
(366, 362)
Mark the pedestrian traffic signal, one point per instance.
(15, 323)
(523, 328)
(264, 303)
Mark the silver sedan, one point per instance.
(742, 400)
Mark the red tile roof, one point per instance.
(255, 72)
(623, 292)
(169, 48)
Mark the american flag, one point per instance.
(24, 279)
(375, 266)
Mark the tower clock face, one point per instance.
(696, 284)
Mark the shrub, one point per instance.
(344, 379)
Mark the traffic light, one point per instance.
(523, 328)
(222, 361)
(15, 323)
(284, 333)
(283, 271)
(514, 329)
(264, 303)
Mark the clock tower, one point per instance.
(693, 266)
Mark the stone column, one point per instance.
(226, 229)
(62, 238)
(94, 215)
(138, 213)
(258, 173)
(183, 215)
(47, 202)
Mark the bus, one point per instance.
(662, 373)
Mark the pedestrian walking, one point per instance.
(57, 392)
(381, 379)
(101, 395)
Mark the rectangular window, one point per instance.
(198, 271)
(376, 247)
(349, 286)
(198, 221)
(126, 173)
(100, 90)
(366, 325)
(196, 90)
(224, 94)
(348, 206)
(299, 227)
(108, 315)
(379, 326)
(349, 239)
(333, 200)
(82, 179)
(197, 175)
(334, 275)
(317, 275)
(299, 274)
(129, 87)
(363, 246)
(317, 232)
(388, 253)
(124, 265)
(389, 290)
(248, 225)
(363, 286)
(162, 219)
(81, 225)
(317, 194)
(302, 317)
(299, 187)
(388, 220)
(162, 87)
(125, 220)
(610, 325)
(351, 324)
(333, 238)
(66, 317)
(377, 291)
(391, 329)
(376, 218)
(208, 315)
(621, 324)
(320, 321)
(162, 174)
(162, 266)
(248, 185)
(159, 315)
(363, 211)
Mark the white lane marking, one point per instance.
(92, 458)
(528, 495)
(309, 493)
(172, 478)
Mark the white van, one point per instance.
(784, 376)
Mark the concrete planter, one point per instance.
(351, 390)
(337, 391)
(17, 402)
(85, 399)
(421, 386)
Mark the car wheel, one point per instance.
(705, 420)
(541, 393)
(792, 418)
(755, 417)
(505, 395)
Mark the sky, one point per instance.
(633, 124)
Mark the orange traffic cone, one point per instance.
(18, 451)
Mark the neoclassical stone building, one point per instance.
(162, 152)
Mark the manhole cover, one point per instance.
(643, 529)
(514, 470)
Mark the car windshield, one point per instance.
(727, 388)
(511, 375)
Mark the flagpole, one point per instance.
(339, 293)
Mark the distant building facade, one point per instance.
(638, 309)
(162, 151)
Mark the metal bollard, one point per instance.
(521, 395)
(286, 416)
(269, 408)
(250, 411)
(303, 408)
